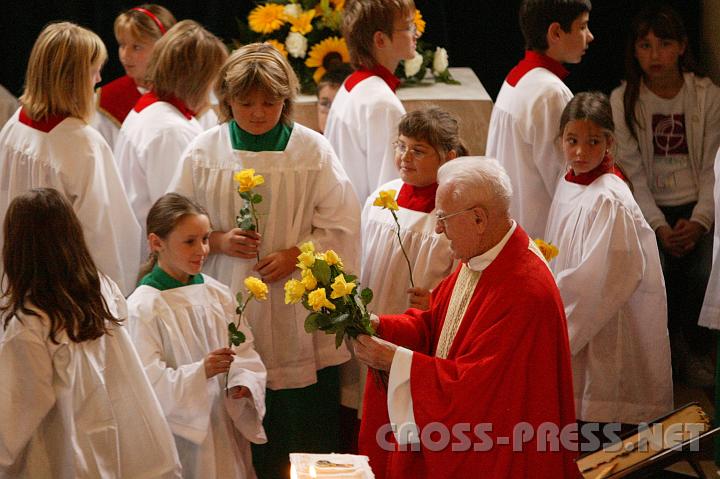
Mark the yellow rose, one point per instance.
(332, 258)
(341, 288)
(247, 179)
(548, 250)
(307, 247)
(294, 291)
(306, 260)
(302, 24)
(308, 280)
(318, 300)
(256, 287)
(386, 199)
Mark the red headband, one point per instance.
(152, 17)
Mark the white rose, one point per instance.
(296, 44)
(413, 66)
(440, 61)
(293, 10)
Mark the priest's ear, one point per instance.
(482, 217)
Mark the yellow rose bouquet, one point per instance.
(548, 250)
(247, 218)
(330, 294)
(386, 200)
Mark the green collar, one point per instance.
(159, 279)
(274, 140)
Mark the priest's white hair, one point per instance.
(477, 180)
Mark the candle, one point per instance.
(293, 472)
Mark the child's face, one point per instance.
(95, 73)
(326, 95)
(658, 57)
(134, 55)
(257, 112)
(585, 145)
(185, 249)
(575, 42)
(404, 38)
(417, 161)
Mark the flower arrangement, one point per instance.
(247, 218)
(307, 33)
(386, 200)
(548, 250)
(344, 312)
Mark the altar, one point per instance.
(468, 101)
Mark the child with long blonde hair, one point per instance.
(48, 143)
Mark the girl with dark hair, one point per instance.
(668, 131)
(74, 402)
(609, 276)
(178, 319)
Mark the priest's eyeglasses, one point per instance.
(401, 149)
(441, 218)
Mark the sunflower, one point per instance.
(266, 18)
(419, 22)
(324, 53)
(278, 46)
(302, 24)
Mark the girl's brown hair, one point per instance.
(256, 66)
(437, 127)
(59, 80)
(665, 23)
(48, 266)
(163, 217)
(141, 25)
(362, 18)
(184, 64)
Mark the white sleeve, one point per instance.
(400, 403)
(382, 129)
(185, 394)
(182, 180)
(704, 210)
(546, 155)
(629, 157)
(610, 268)
(163, 157)
(26, 395)
(248, 370)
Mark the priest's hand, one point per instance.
(236, 242)
(374, 352)
(240, 392)
(277, 265)
(218, 362)
(419, 298)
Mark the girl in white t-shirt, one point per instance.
(668, 129)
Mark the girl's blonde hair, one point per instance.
(140, 25)
(184, 64)
(59, 80)
(256, 66)
(163, 217)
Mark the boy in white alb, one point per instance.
(363, 119)
(523, 125)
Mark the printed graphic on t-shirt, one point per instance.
(669, 134)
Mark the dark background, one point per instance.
(482, 34)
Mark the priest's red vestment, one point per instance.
(508, 370)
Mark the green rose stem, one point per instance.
(257, 229)
(407, 260)
(235, 336)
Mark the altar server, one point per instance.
(136, 31)
(609, 275)
(306, 197)
(74, 402)
(179, 320)
(183, 67)
(48, 143)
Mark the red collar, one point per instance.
(534, 60)
(417, 198)
(118, 97)
(45, 125)
(606, 166)
(378, 70)
(151, 97)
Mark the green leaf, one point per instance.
(256, 198)
(247, 224)
(366, 296)
(350, 278)
(321, 270)
(311, 322)
(236, 337)
(239, 297)
(246, 195)
(339, 336)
